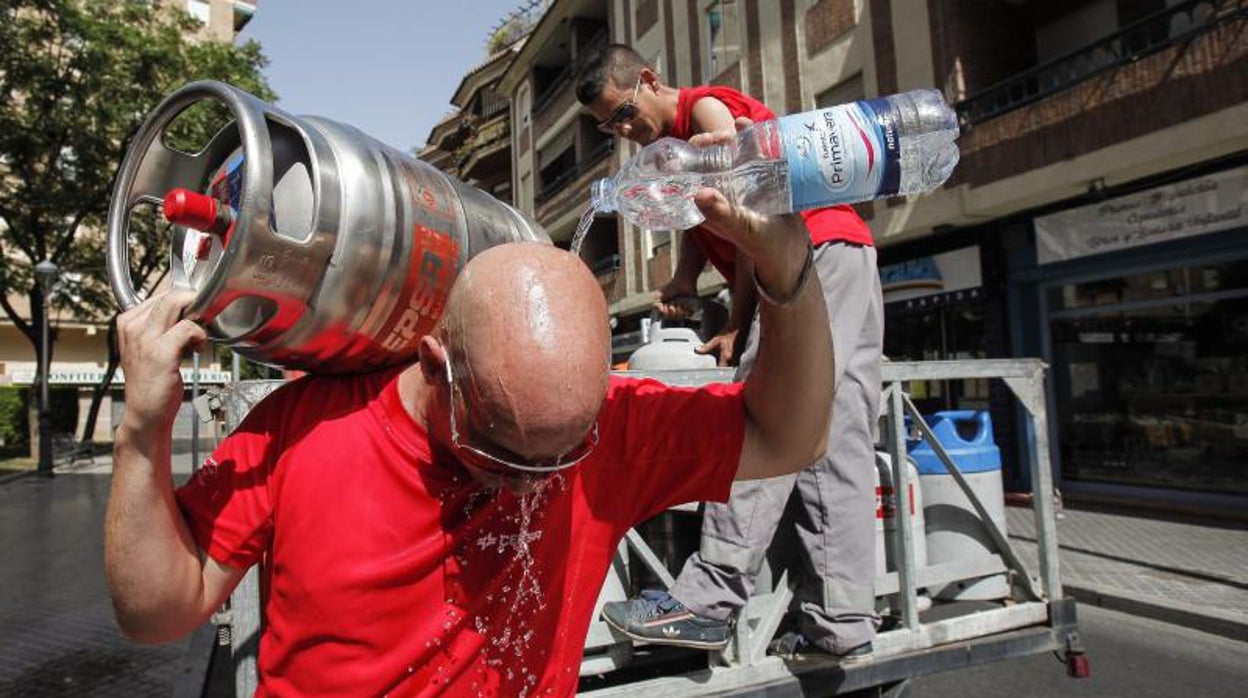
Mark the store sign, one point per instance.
(93, 377)
(1194, 207)
(949, 273)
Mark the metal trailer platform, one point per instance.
(1035, 618)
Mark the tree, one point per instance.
(77, 78)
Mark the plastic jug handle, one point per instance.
(982, 417)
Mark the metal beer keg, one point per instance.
(308, 244)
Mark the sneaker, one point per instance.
(794, 645)
(659, 619)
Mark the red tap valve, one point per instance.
(199, 212)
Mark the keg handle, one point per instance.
(151, 169)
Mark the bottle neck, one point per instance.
(602, 195)
(716, 158)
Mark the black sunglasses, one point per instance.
(626, 112)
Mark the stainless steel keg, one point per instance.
(308, 244)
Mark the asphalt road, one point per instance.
(1130, 656)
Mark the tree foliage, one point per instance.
(77, 78)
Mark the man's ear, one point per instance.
(432, 356)
(651, 79)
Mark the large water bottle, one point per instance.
(874, 148)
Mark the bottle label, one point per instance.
(842, 154)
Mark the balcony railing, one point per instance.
(552, 187)
(1151, 34)
(485, 134)
(564, 79)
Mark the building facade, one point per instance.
(1096, 219)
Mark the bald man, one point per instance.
(446, 527)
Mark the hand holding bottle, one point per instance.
(777, 244)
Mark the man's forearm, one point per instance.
(788, 393)
(154, 572)
(689, 262)
(744, 299)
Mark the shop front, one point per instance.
(934, 310)
(944, 300)
(1143, 319)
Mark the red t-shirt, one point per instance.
(831, 224)
(389, 570)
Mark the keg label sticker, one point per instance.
(433, 268)
(431, 192)
(227, 185)
(842, 154)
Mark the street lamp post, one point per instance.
(45, 274)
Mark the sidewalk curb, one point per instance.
(1173, 613)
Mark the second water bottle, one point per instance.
(875, 148)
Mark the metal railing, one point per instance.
(1174, 25)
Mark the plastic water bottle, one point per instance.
(874, 148)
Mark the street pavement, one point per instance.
(1129, 656)
(1190, 574)
(57, 636)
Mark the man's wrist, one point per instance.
(780, 288)
(140, 437)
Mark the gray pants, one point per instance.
(835, 525)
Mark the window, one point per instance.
(199, 9)
(723, 26)
(659, 240)
(844, 92)
(1151, 370)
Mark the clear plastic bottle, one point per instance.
(874, 148)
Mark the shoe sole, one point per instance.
(817, 655)
(693, 644)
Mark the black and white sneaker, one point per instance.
(657, 618)
(794, 645)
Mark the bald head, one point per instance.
(526, 327)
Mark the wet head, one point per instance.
(526, 331)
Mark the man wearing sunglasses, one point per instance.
(445, 527)
(836, 527)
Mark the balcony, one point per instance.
(559, 95)
(570, 190)
(607, 271)
(243, 12)
(1145, 82)
(1171, 27)
(484, 155)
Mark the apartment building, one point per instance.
(1096, 220)
(473, 142)
(221, 20)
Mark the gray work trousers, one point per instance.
(835, 525)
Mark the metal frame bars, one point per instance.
(903, 536)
